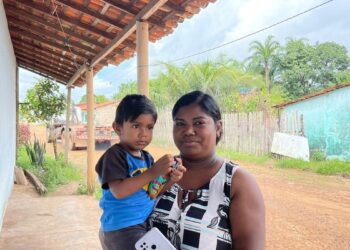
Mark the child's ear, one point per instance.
(116, 128)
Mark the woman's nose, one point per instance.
(189, 130)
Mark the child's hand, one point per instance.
(177, 174)
(162, 167)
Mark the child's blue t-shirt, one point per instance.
(117, 164)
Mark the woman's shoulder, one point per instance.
(242, 180)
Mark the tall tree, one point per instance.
(263, 54)
(305, 68)
(44, 102)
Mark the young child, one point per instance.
(125, 171)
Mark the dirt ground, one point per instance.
(304, 210)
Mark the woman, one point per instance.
(216, 205)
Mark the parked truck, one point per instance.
(78, 136)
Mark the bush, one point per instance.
(23, 133)
(318, 155)
(36, 152)
(53, 173)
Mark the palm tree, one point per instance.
(263, 53)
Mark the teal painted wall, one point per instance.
(326, 122)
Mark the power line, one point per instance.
(233, 41)
(242, 37)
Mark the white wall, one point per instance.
(7, 113)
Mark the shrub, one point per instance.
(36, 152)
(53, 173)
(23, 133)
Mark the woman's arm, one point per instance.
(247, 213)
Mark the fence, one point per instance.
(243, 132)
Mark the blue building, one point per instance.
(326, 116)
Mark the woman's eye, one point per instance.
(179, 124)
(199, 123)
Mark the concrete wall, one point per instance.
(105, 115)
(7, 113)
(327, 122)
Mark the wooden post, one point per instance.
(90, 131)
(17, 111)
(68, 114)
(142, 57)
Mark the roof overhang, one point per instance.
(59, 39)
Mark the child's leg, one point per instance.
(122, 239)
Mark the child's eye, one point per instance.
(135, 126)
(150, 127)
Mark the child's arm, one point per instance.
(123, 188)
(175, 176)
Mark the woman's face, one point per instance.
(195, 132)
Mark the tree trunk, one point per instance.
(54, 144)
(267, 78)
(54, 138)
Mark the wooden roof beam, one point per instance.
(48, 43)
(71, 21)
(46, 11)
(43, 66)
(91, 13)
(42, 58)
(42, 73)
(144, 14)
(39, 32)
(118, 5)
(15, 13)
(48, 53)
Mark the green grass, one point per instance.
(83, 190)
(322, 167)
(53, 174)
(330, 167)
(249, 158)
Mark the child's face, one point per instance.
(136, 135)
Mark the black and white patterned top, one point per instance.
(202, 224)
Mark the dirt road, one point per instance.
(304, 210)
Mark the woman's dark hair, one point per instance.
(131, 106)
(203, 100)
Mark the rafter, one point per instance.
(46, 11)
(48, 43)
(145, 13)
(49, 53)
(91, 13)
(71, 21)
(15, 13)
(39, 32)
(41, 72)
(44, 59)
(42, 65)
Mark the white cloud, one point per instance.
(224, 21)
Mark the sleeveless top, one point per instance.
(204, 223)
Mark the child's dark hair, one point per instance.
(131, 106)
(205, 101)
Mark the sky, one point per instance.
(219, 23)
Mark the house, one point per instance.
(104, 113)
(9, 74)
(69, 43)
(326, 118)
